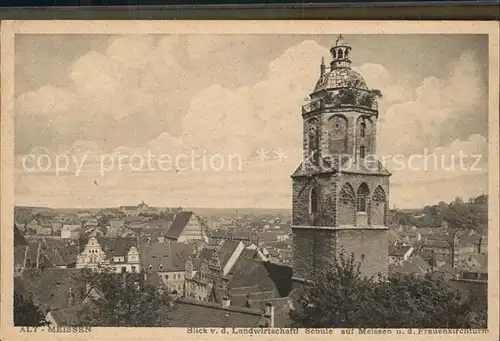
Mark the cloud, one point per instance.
(266, 114)
(378, 77)
(132, 75)
(140, 83)
(410, 126)
(457, 159)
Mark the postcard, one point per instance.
(233, 179)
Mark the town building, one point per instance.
(340, 191)
(185, 227)
(120, 254)
(166, 264)
(214, 267)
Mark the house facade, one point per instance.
(185, 227)
(121, 257)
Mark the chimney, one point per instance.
(226, 302)
(269, 313)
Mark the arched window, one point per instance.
(161, 267)
(362, 152)
(313, 201)
(363, 258)
(334, 54)
(362, 196)
(363, 129)
(341, 54)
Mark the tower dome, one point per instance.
(340, 78)
(340, 74)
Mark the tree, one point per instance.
(341, 298)
(125, 301)
(26, 313)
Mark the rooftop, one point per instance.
(192, 313)
(178, 224)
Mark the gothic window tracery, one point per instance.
(347, 194)
(379, 194)
(379, 206)
(362, 196)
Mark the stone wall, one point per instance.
(313, 248)
(300, 201)
(371, 247)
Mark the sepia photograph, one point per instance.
(250, 181)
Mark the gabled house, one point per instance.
(215, 266)
(120, 254)
(185, 227)
(168, 263)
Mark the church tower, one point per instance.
(340, 191)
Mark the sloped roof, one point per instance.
(192, 313)
(117, 247)
(367, 167)
(172, 256)
(225, 252)
(50, 288)
(178, 224)
(251, 273)
(70, 316)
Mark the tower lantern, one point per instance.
(340, 53)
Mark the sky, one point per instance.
(198, 110)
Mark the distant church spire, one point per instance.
(340, 53)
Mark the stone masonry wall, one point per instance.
(373, 244)
(300, 201)
(312, 249)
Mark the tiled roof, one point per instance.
(264, 275)
(117, 246)
(172, 256)
(191, 313)
(225, 252)
(180, 221)
(51, 287)
(70, 316)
